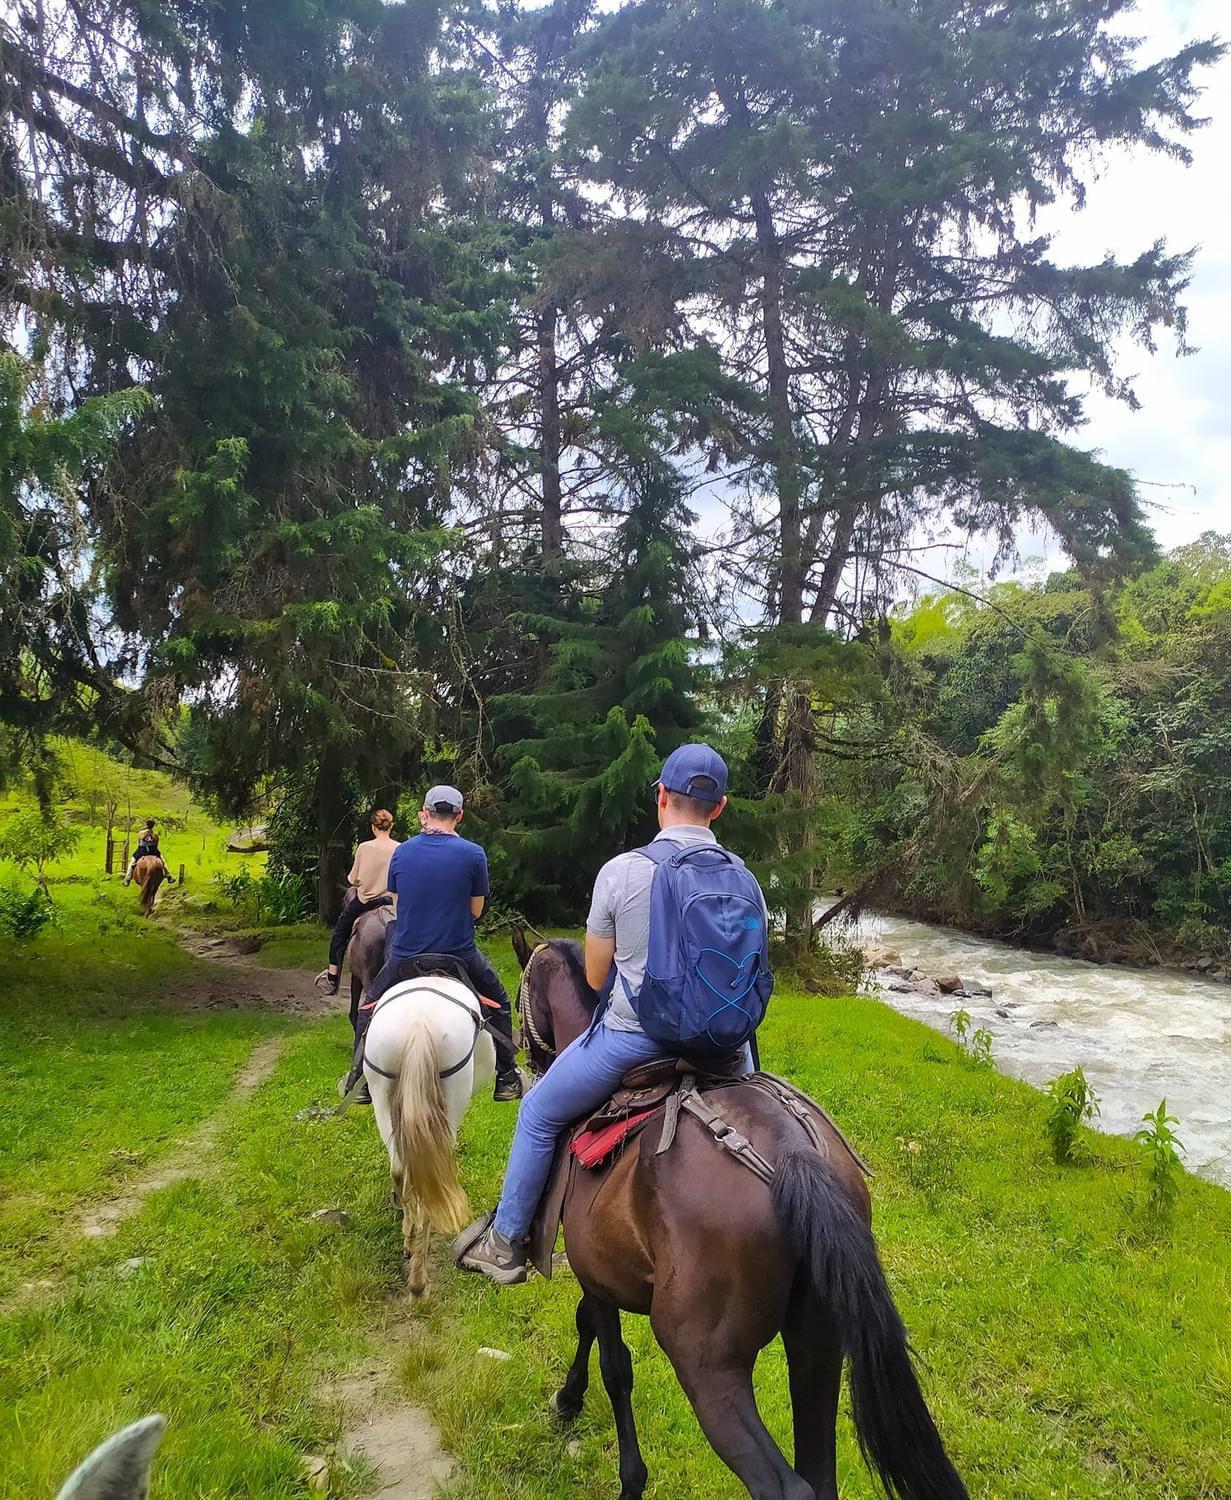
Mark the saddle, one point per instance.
(663, 1090)
(442, 966)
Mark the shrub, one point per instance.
(24, 914)
(977, 1045)
(30, 839)
(1071, 1103)
(833, 967)
(1161, 1147)
(267, 900)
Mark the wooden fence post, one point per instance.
(110, 853)
(181, 874)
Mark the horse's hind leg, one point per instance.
(814, 1355)
(718, 1383)
(569, 1399)
(616, 1364)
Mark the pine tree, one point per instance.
(580, 751)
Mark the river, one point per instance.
(1140, 1034)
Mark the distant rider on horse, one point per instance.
(369, 879)
(691, 794)
(147, 846)
(441, 883)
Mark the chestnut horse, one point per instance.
(721, 1263)
(149, 873)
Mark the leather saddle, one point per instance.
(436, 966)
(649, 1085)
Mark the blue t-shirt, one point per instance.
(434, 875)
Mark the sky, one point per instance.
(1178, 445)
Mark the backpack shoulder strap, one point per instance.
(658, 852)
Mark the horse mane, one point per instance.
(574, 961)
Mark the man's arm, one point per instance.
(480, 884)
(600, 953)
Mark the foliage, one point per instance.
(24, 914)
(274, 900)
(1063, 761)
(32, 838)
(1161, 1148)
(1072, 1103)
(976, 1044)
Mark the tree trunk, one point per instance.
(333, 819)
(782, 427)
(549, 435)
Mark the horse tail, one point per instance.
(896, 1431)
(422, 1133)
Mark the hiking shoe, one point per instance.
(508, 1086)
(491, 1255)
(328, 982)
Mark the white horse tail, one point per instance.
(422, 1134)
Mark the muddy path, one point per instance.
(230, 980)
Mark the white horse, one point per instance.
(425, 1057)
(118, 1469)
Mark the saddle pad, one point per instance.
(593, 1147)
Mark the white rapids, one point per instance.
(1140, 1034)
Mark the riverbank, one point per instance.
(1070, 1351)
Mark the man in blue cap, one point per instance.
(441, 883)
(691, 795)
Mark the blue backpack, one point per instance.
(707, 979)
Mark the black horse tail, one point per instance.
(896, 1432)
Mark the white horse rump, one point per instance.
(425, 1060)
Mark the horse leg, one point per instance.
(718, 1384)
(616, 1364)
(814, 1357)
(569, 1399)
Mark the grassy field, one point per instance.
(1069, 1352)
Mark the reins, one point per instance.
(530, 1031)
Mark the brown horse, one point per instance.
(149, 873)
(721, 1263)
(365, 954)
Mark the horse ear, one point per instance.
(520, 946)
(118, 1469)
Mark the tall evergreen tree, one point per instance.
(264, 231)
(579, 752)
(853, 186)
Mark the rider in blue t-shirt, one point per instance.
(441, 883)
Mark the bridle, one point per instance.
(423, 989)
(529, 1030)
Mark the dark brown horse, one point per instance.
(721, 1263)
(365, 953)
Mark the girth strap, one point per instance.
(422, 989)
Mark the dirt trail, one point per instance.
(231, 981)
(398, 1439)
(189, 1158)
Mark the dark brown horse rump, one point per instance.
(722, 1262)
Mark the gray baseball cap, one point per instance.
(443, 800)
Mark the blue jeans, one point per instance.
(585, 1074)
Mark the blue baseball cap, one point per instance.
(695, 771)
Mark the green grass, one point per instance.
(1069, 1352)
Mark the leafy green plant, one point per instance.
(267, 900)
(30, 839)
(959, 1021)
(1161, 1148)
(980, 1048)
(24, 914)
(1071, 1103)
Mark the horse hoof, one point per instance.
(565, 1412)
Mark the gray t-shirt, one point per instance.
(620, 908)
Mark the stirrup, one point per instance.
(329, 983)
(471, 1235)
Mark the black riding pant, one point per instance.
(352, 910)
(484, 978)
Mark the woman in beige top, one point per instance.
(369, 875)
